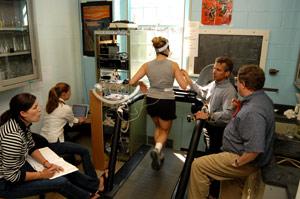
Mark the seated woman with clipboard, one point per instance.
(58, 114)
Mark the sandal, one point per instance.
(95, 196)
(102, 183)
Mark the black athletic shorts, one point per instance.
(162, 108)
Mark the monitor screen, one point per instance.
(80, 110)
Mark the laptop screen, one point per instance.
(80, 110)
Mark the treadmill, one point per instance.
(136, 178)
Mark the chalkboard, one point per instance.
(242, 49)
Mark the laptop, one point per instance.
(80, 110)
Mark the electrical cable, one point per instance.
(137, 112)
(294, 162)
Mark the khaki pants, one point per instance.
(218, 167)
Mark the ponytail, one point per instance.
(5, 117)
(53, 101)
(54, 95)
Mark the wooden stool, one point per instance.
(254, 186)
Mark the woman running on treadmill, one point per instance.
(160, 99)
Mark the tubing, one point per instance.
(114, 102)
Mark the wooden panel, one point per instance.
(97, 132)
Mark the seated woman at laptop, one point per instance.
(58, 114)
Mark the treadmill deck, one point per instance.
(145, 182)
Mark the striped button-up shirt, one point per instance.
(15, 144)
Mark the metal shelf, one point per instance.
(112, 59)
(111, 32)
(25, 28)
(14, 53)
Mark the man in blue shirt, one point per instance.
(247, 141)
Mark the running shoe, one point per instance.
(156, 160)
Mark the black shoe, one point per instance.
(162, 158)
(156, 161)
(77, 162)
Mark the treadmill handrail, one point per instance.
(114, 145)
(135, 99)
(188, 96)
(189, 93)
(182, 183)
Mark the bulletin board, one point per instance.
(242, 46)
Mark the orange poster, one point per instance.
(95, 16)
(216, 12)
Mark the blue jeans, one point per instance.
(70, 148)
(74, 185)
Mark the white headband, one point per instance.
(161, 49)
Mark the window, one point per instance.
(156, 18)
(157, 12)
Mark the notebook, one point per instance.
(80, 110)
(52, 157)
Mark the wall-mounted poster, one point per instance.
(216, 12)
(94, 16)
